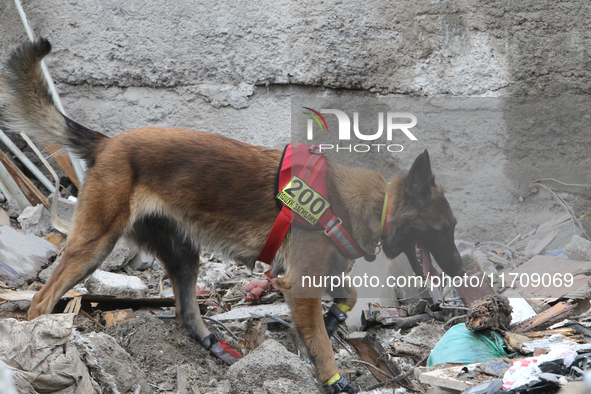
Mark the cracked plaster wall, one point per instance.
(231, 68)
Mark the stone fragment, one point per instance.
(578, 248)
(34, 219)
(212, 273)
(119, 257)
(268, 363)
(110, 284)
(142, 261)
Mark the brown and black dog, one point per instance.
(174, 192)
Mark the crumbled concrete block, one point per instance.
(280, 310)
(35, 219)
(213, 273)
(578, 248)
(115, 261)
(142, 261)
(22, 256)
(119, 257)
(268, 363)
(109, 364)
(110, 284)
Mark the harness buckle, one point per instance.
(333, 226)
(316, 150)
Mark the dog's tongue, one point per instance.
(425, 260)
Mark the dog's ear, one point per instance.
(420, 178)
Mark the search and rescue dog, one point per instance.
(175, 191)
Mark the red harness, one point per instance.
(302, 196)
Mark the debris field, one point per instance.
(116, 332)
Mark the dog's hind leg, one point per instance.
(180, 256)
(95, 230)
(82, 256)
(161, 236)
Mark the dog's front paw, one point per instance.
(340, 385)
(221, 349)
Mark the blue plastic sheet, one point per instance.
(460, 345)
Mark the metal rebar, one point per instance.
(25, 160)
(278, 320)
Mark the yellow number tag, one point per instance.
(298, 196)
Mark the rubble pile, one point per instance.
(525, 329)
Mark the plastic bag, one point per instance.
(526, 371)
(460, 345)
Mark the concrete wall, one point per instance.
(231, 68)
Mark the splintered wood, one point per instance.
(32, 194)
(558, 312)
(74, 305)
(371, 351)
(490, 312)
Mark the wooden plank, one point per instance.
(566, 331)
(557, 312)
(63, 160)
(115, 317)
(371, 351)
(74, 305)
(27, 295)
(33, 195)
(544, 242)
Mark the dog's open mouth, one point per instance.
(423, 258)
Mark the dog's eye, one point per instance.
(441, 233)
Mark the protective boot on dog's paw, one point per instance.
(339, 384)
(221, 349)
(334, 317)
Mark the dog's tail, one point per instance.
(26, 105)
